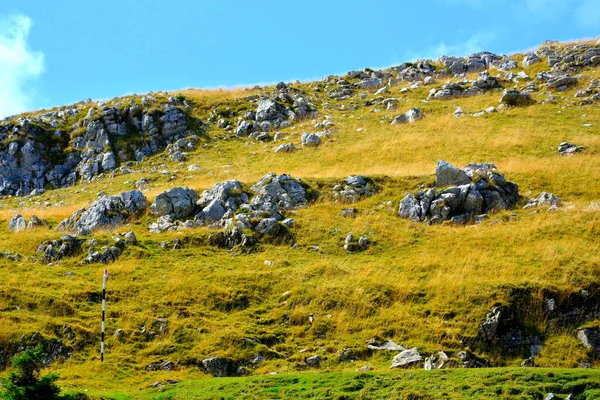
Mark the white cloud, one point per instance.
(19, 65)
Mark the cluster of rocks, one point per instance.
(476, 62)
(544, 199)
(11, 256)
(178, 150)
(353, 189)
(591, 94)
(455, 90)
(569, 58)
(352, 245)
(279, 111)
(97, 142)
(568, 149)
(410, 358)
(109, 254)
(461, 195)
(107, 211)
(55, 250)
(18, 223)
(231, 206)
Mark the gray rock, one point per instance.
(286, 148)
(543, 199)
(179, 203)
(530, 59)
(568, 149)
(388, 345)
(280, 190)
(447, 174)
(313, 361)
(353, 189)
(407, 358)
(410, 208)
(513, 97)
(410, 116)
(266, 225)
(310, 139)
(17, 223)
(54, 250)
(371, 83)
(130, 238)
(214, 211)
(218, 366)
(590, 338)
(106, 212)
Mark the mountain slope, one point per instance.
(178, 299)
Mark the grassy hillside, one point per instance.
(428, 286)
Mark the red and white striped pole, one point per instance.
(104, 278)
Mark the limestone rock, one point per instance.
(106, 212)
(542, 200)
(407, 358)
(568, 149)
(178, 203)
(410, 116)
(17, 223)
(513, 97)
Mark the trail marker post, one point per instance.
(104, 279)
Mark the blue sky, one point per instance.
(63, 51)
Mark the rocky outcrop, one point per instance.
(455, 90)
(353, 189)
(229, 205)
(284, 107)
(107, 254)
(54, 250)
(108, 211)
(474, 190)
(544, 199)
(52, 150)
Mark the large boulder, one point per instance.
(178, 203)
(107, 211)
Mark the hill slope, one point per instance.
(522, 283)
